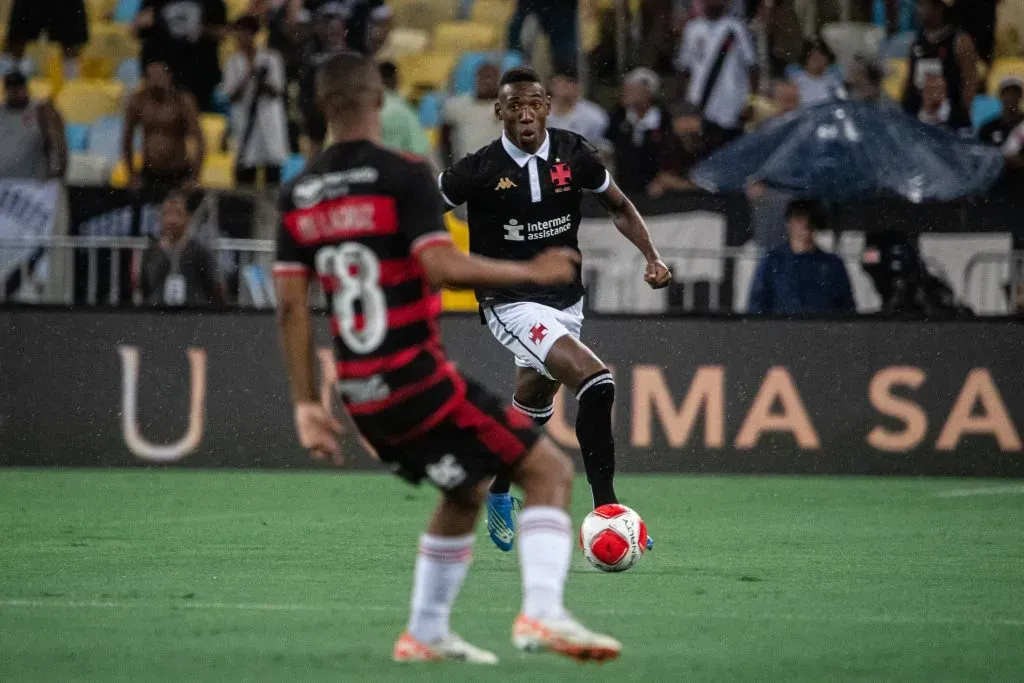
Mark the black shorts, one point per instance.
(64, 21)
(476, 440)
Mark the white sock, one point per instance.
(441, 566)
(544, 538)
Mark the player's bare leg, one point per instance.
(545, 552)
(534, 396)
(443, 560)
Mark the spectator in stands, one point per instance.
(785, 97)
(978, 18)
(177, 270)
(326, 39)
(941, 49)
(32, 142)
(797, 277)
(185, 35)
(571, 111)
(998, 130)
(681, 151)
(559, 19)
(815, 79)
(369, 23)
(783, 34)
(469, 122)
(718, 58)
(936, 108)
(254, 82)
(169, 119)
(864, 80)
(400, 125)
(637, 130)
(64, 21)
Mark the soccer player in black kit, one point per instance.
(523, 194)
(367, 222)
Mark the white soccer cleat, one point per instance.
(564, 636)
(450, 649)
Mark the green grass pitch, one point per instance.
(224, 576)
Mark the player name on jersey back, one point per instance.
(520, 204)
(356, 218)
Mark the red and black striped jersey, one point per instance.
(356, 218)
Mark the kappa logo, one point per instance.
(447, 473)
(514, 231)
(505, 184)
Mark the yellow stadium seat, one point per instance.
(422, 14)
(119, 174)
(214, 127)
(458, 300)
(895, 79)
(404, 41)
(428, 71)
(237, 8)
(462, 36)
(84, 101)
(1002, 68)
(493, 12)
(116, 41)
(96, 67)
(99, 10)
(433, 136)
(218, 171)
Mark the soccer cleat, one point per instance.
(650, 543)
(564, 636)
(450, 649)
(501, 523)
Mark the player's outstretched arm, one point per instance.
(631, 224)
(446, 266)
(318, 430)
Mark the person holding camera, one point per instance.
(254, 80)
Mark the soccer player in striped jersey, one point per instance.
(368, 223)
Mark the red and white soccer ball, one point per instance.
(613, 538)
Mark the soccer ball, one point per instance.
(613, 538)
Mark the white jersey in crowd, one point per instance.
(268, 143)
(698, 52)
(473, 123)
(585, 118)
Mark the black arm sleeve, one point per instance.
(456, 182)
(591, 170)
(420, 211)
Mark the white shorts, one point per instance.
(529, 330)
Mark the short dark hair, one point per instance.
(180, 195)
(249, 23)
(389, 74)
(15, 79)
(519, 74)
(344, 78)
(816, 43)
(809, 208)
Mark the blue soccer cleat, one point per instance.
(502, 510)
(650, 543)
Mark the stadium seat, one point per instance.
(105, 137)
(895, 78)
(116, 41)
(431, 109)
(129, 72)
(404, 41)
(218, 171)
(77, 135)
(40, 89)
(429, 71)
(512, 59)
(236, 8)
(126, 11)
(85, 101)
(99, 10)
(292, 167)
(1013, 66)
(984, 109)
(464, 75)
(494, 12)
(96, 67)
(48, 61)
(422, 14)
(433, 137)
(898, 46)
(214, 126)
(459, 36)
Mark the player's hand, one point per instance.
(318, 431)
(556, 266)
(657, 274)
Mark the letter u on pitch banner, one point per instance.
(137, 444)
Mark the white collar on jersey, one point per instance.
(522, 158)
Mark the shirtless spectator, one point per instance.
(169, 118)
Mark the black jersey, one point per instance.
(937, 58)
(520, 204)
(356, 217)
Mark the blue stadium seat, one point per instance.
(130, 73)
(431, 106)
(464, 75)
(511, 60)
(292, 167)
(77, 135)
(984, 109)
(105, 137)
(898, 46)
(126, 11)
(221, 103)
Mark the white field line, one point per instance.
(1015, 490)
(896, 619)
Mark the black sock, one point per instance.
(594, 431)
(540, 416)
